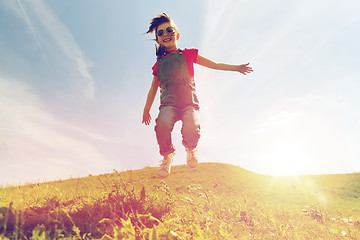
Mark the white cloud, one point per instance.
(36, 144)
(28, 22)
(277, 120)
(61, 36)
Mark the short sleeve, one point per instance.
(191, 54)
(154, 68)
(195, 53)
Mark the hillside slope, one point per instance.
(213, 201)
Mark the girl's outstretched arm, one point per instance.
(244, 68)
(150, 100)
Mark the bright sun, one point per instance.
(286, 160)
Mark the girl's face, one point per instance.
(167, 36)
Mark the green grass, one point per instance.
(213, 201)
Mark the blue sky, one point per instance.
(74, 76)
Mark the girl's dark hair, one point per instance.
(154, 24)
(160, 51)
(157, 21)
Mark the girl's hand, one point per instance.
(146, 118)
(244, 68)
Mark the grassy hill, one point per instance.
(213, 201)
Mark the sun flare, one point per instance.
(287, 160)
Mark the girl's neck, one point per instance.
(174, 48)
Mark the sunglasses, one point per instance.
(168, 29)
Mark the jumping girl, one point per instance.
(174, 74)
